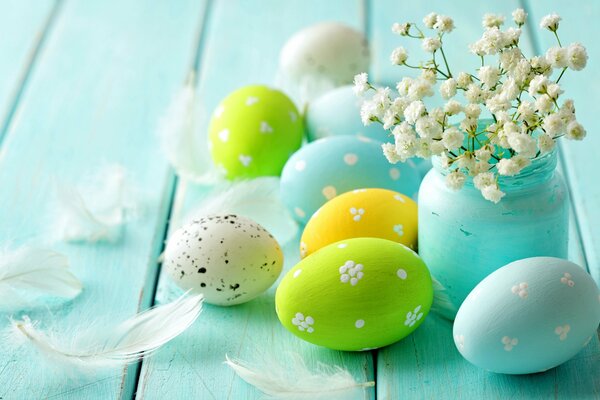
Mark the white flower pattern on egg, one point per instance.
(521, 290)
(357, 213)
(402, 273)
(223, 135)
(351, 272)
(303, 323)
(329, 192)
(566, 279)
(562, 331)
(251, 100)
(245, 159)
(413, 316)
(265, 127)
(359, 323)
(509, 342)
(299, 212)
(350, 159)
(399, 229)
(394, 174)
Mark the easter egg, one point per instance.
(328, 50)
(357, 294)
(327, 167)
(253, 132)
(228, 258)
(337, 112)
(379, 213)
(528, 316)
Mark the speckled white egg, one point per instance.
(345, 105)
(328, 50)
(334, 165)
(528, 316)
(228, 258)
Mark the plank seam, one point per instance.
(32, 59)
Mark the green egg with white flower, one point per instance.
(253, 131)
(356, 294)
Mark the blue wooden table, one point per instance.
(83, 83)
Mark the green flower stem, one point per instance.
(561, 74)
(445, 61)
(557, 38)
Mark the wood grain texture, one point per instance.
(106, 72)
(241, 47)
(24, 26)
(427, 364)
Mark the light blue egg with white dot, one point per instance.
(528, 316)
(336, 113)
(327, 167)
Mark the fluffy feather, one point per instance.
(102, 347)
(98, 210)
(184, 145)
(257, 199)
(305, 89)
(442, 304)
(293, 380)
(27, 273)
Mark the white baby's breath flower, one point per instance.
(484, 179)
(406, 145)
(575, 131)
(484, 154)
(544, 104)
(472, 110)
(541, 65)
(455, 180)
(577, 56)
(489, 76)
(428, 127)
(538, 84)
(453, 107)
(503, 117)
(466, 161)
(445, 160)
(430, 19)
(429, 75)
(550, 22)
(444, 24)
(437, 147)
(400, 29)
(526, 112)
(404, 129)
(492, 193)
(512, 36)
(361, 83)
(492, 41)
(557, 57)
(553, 125)
(389, 151)
(474, 94)
(404, 86)
(438, 114)
(414, 111)
(523, 144)
(452, 138)
(468, 124)
(491, 20)
(509, 58)
(398, 105)
(567, 111)
(497, 103)
(399, 56)
(545, 143)
(512, 166)
(521, 71)
(554, 90)
(368, 112)
(431, 44)
(423, 149)
(448, 88)
(420, 88)
(390, 118)
(519, 16)
(463, 80)
(510, 89)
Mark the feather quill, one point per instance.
(27, 273)
(103, 347)
(293, 380)
(257, 199)
(442, 304)
(97, 211)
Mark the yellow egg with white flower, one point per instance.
(378, 213)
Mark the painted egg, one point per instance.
(345, 106)
(327, 167)
(329, 50)
(228, 258)
(379, 213)
(528, 316)
(253, 132)
(357, 294)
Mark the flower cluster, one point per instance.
(519, 95)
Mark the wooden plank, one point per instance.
(24, 26)
(242, 47)
(107, 71)
(427, 364)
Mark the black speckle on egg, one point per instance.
(202, 284)
(201, 270)
(234, 286)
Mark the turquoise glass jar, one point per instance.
(463, 237)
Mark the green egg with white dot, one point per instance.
(357, 294)
(253, 131)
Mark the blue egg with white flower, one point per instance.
(327, 167)
(337, 112)
(528, 316)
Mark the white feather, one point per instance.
(442, 304)
(98, 209)
(27, 272)
(182, 142)
(293, 380)
(104, 347)
(257, 199)
(304, 89)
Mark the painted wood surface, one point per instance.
(101, 79)
(105, 72)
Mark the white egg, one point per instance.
(528, 316)
(228, 258)
(328, 50)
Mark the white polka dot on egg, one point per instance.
(359, 323)
(401, 274)
(350, 158)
